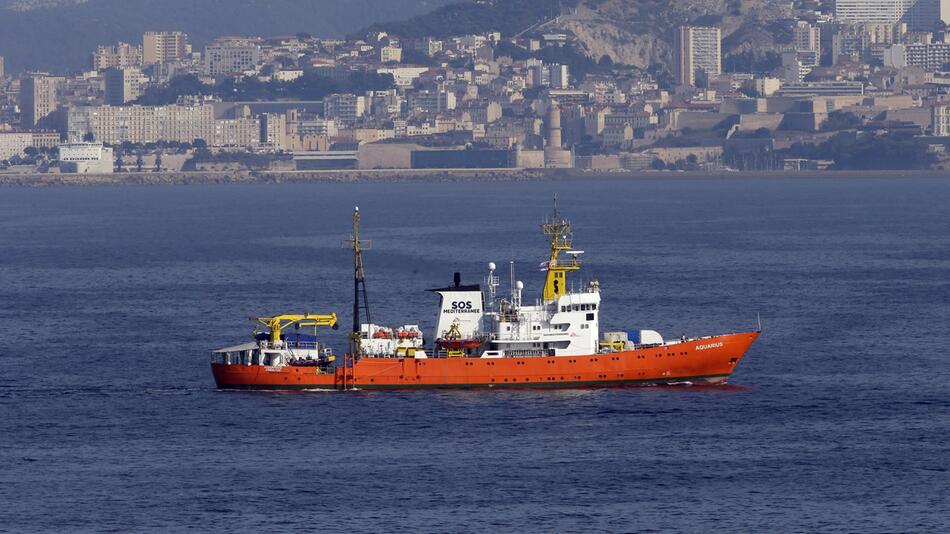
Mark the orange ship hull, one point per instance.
(706, 361)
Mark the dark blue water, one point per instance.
(838, 419)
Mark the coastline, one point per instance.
(417, 175)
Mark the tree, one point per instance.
(88, 137)
(692, 162)
(199, 143)
(841, 120)
(139, 163)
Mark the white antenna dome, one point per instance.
(491, 266)
(520, 285)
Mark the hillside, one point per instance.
(60, 34)
(634, 32)
(640, 32)
(474, 17)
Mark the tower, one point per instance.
(554, 154)
(554, 126)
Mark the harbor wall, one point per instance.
(431, 175)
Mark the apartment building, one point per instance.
(231, 56)
(120, 56)
(165, 47)
(124, 85)
(919, 15)
(39, 98)
(698, 54)
(181, 123)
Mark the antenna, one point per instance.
(492, 283)
(511, 278)
(360, 299)
(758, 320)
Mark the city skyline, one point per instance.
(489, 98)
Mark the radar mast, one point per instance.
(360, 299)
(562, 236)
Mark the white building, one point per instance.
(149, 124)
(317, 126)
(698, 54)
(230, 56)
(920, 15)
(940, 120)
(403, 76)
(767, 86)
(929, 57)
(390, 54)
(345, 108)
(86, 158)
(14, 143)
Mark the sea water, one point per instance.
(111, 300)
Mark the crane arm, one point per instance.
(278, 323)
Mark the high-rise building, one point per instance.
(920, 15)
(559, 76)
(164, 47)
(120, 56)
(874, 11)
(274, 131)
(230, 56)
(1, 67)
(698, 54)
(807, 37)
(124, 85)
(38, 99)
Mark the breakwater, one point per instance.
(392, 175)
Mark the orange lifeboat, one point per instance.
(460, 344)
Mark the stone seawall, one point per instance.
(389, 175)
(246, 177)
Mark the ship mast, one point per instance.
(562, 234)
(360, 300)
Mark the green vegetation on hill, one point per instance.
(464, 18)
(308, 87)
(580, 64)
(853, 151)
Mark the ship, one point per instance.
(482, 339)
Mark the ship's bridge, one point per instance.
(568, 326)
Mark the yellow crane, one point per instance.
(278, 323)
